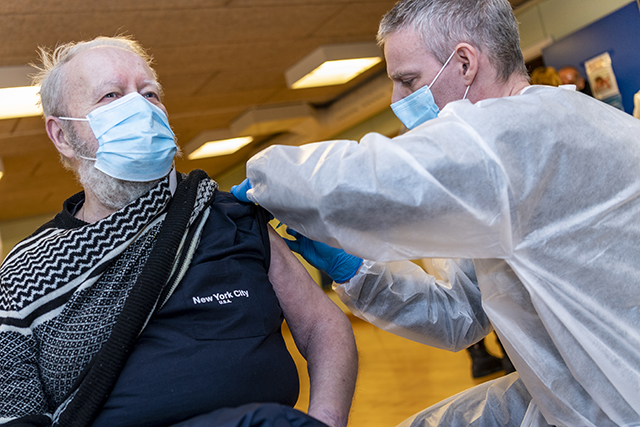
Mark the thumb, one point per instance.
(291, 232)
(294, 245)
(240, 190)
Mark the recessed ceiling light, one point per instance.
(219, 148)
(19, 102)
(333, 65)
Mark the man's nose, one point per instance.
(396, 95)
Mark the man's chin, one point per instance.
(111, 192)
(123, 193)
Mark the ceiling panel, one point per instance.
(355, 20)
(7, 126)
(28, 124)
(56, 6)
(230, 81)
(20, 143)
(194, 104)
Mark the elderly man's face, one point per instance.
(101, 75)
(410, 66)
(92, 79)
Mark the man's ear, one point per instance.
(58, 137)
(467, 60)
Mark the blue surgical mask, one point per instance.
(135, 140)
(420, 106)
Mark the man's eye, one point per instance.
(407, 83)
(111, 95)
(151, 95)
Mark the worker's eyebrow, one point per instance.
(400, 75)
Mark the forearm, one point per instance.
(401, 298)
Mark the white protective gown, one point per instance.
(542, 191)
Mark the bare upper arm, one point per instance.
(303, 302)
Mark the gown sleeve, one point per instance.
(436, 192)
(401, 298)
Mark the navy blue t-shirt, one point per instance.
(217, 342)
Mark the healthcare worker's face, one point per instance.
(410, 66)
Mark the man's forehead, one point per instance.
(406, 54)
(107, 58)
(108, 65)
(99, 53)
(97, 71)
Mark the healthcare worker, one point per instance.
(539, 186)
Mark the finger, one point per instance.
(240, 190)
(294, 245)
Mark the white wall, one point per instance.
(544, 21)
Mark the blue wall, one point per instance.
(618, 34)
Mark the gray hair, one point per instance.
(49, 75)
(488, 25)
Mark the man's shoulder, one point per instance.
(537, 106)
(224, 198)
(227, 202)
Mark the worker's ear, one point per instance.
(58, 136)
(467, 60)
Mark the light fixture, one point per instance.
(17, 99)
(255, 121)
(271, 119)
(333, 65)
(220, 148)
(215, 143)
(1, 168)
(19, 102)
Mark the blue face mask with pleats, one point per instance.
(135, 140)
(420, 106)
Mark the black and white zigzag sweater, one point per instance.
(61, 292)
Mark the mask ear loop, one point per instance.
(79, 120)
(74, 119)
(442, 69)
(87, 158)
(465, 92)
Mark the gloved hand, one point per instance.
(240, 190)
(338, 264)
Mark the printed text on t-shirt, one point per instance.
(221, 298)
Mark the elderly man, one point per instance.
(539, 186)
(153, 298)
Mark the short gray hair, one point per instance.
(488, 25)
(49, 75)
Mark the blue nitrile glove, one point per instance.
(240, 190)
(338, 264)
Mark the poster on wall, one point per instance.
(603, 80)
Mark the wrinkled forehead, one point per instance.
(97, 66)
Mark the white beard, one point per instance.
(113, 193)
